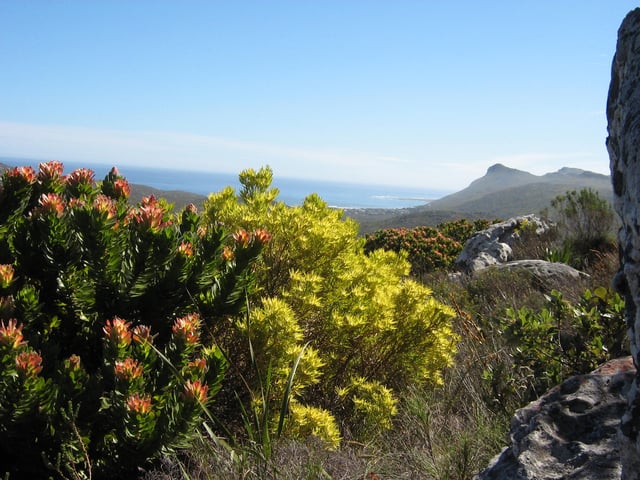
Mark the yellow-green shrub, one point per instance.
(362, 316)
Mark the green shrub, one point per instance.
(364, 320)
(427, 248)
(585, 223)
(462, 230)
(105, 358)
(562, 339)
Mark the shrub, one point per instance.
(585, 222)
(462, 230)
(561, 339)
(363, 319)
(105, 360)
(427, 248)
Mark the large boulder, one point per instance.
(553, 273)
(623, 144)
(569, 433)
(492, 246)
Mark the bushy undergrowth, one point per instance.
(427, 248)
(370, 330)
(313, 351)
(105, 360)
(452, 431)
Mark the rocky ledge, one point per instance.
(569, 433)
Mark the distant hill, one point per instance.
(502, 192)
(505, 192)
(178, 198)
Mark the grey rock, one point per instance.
(569, 433)
(554, 272)
(492, 246)
(623, 145)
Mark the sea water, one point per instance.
(292, 190)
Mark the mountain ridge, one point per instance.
(512, 185)
(503, 192)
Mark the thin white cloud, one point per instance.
(197, 152)
(442, 169)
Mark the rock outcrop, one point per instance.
(623, 144)
(492, 246)
(554, 272)
(569, 433)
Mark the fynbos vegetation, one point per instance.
(105, 355)
(310, 352)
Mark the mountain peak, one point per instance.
(570, 171)
(498, 168)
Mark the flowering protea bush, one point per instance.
(105, 309)
(462, 229)
(427, 248)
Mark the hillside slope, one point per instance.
(504, 192)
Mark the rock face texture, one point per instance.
(492, 246)
(623, 144)
(569, 433)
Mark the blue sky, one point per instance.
(420, 93)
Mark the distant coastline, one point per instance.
(343, 195)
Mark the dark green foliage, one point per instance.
(105, 359)
(563, 339)
(585, 222)
(428, 248)
(462, 230)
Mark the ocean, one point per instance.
(292, 191)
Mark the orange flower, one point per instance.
(149, 214)
(139, 404)
(199, 364)
(29, 363)
(186, 249)
(26, 173)
(73, 362)
(191, 208)
(6, 275)
(11, 334)
(81, 176)
(51, 203)
(128, 369)
(121, 188)
(196, 391)
(242, 237)
(76, 203)
(105, 205)
(187, 327)
(49, 170)
(142, 334)
(117, 331)
(227, 253)
(262, 235)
